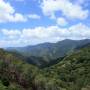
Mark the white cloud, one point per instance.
(43, 34)
(80, 31)
(11, 34)
(71, 10)
(61, 21)
(34, 16)
(8, 13)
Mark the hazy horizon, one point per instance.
(42, 43)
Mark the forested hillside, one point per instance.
(73, 72)
(70, 73)
(15, 74)
(47, 53)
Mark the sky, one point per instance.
(30, 22)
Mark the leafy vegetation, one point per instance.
(70, 73)
(73, 72)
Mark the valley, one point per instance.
(69, 72)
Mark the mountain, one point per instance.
(72, 72)
(46, 53)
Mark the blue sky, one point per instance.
(29, 22)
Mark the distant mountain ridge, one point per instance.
(71, 72)
(47, 52)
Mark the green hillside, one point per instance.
(70, 73)
(46, 53)
(15, 74)
(73, 72)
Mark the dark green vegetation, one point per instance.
(47, 53)
(15, 74)
(72, 72)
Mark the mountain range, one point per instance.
(48, 53)
(72, 72)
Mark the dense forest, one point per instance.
(70, 73)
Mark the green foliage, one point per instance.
(2, 87)
(73, 70)
(5, 82)
(70, 73)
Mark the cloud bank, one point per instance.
(68, 10)
(43, 34)
(8, 13)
